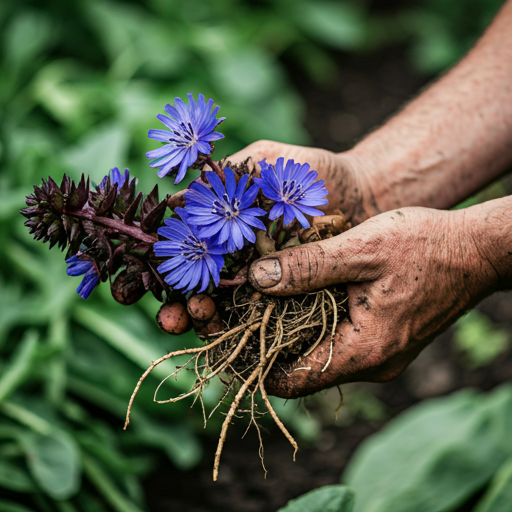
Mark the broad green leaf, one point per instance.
(15, 477)
(331, 498)
(498, 497)
(54, 462)
(434, 456)
(15, 372)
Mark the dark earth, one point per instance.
(366, 91)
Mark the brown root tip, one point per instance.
(201, 307)
(173, 318)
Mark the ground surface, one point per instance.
(364, 94)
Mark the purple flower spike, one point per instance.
(224, 211)
(190, 132)
(81, 267)
(293, 189)
(192, 258)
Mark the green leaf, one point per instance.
(15, 372)
(245, 74)
(54, 462)
(102, 481)
(179, 443)
(331, 498)
(27, 36)
(337, 24)
(10, 506)
(479, 340)
(434, 456)
(14, 477)
(498, 497)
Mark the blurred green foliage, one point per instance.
(330, 498)
(431, 458)
(478, 340)
(80, 84)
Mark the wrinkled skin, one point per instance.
(410, 272)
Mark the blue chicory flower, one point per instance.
(116, 177)
(192, 257)
(77, 266)
(191, 130)
(293, 189)
(224, 212)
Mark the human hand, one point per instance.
(345, 178)
(349, 191)
(411, 273)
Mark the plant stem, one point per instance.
(133, 231)
(215, 166)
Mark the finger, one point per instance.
(350, 257)
(204, 315)
(264, 149)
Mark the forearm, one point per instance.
(451, 141)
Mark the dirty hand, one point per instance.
(349, 191)
(410, 272)
(345, 178)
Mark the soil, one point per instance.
(365, 93)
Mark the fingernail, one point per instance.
(266, 273)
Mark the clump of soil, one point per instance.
(260, 331)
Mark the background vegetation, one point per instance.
(80, 84)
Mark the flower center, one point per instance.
(194, 249)
(292, 192)
(185, 138)
(229, 209)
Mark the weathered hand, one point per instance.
(411, 273)
(349, 191)
(345, 179)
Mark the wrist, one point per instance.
(359, 201)
(489, 230)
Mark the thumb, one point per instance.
(344, 258)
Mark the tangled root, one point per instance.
(289, 328)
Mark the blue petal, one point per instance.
(216, 183)
(161, 151)
(240, 189)
(205, 276)
(289, 214)
(230, 182)
(252, 221)
(238, 238)
(212, 137)
(160, 135)
(300, 217)
(277, 211)
(172, 125)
